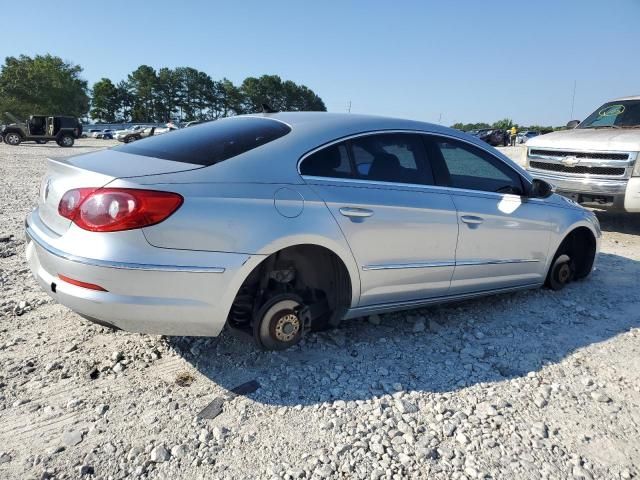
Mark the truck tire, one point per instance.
(12, 138)
(66, 140)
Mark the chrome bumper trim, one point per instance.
(583, 185)
(31, 235)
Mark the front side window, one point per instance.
(399, 158)
(473, 169)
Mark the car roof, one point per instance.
(275, 162)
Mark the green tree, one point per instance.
(231, 99)
(504, 124)
(141, 84)
(465, 127)
(105, 102)
(167, 92)
(42, 84)
(279, 95)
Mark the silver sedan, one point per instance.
(275, 224)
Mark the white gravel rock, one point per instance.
(159, 454)
(536, 384)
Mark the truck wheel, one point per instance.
(66, 141)
(12, 138)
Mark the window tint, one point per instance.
(397, 158)
(211, 142)
(473, 169)
(332, 161)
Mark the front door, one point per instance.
(402, 231)
(504, 236)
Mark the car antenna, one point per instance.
(267, 109)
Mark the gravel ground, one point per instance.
(537, 384)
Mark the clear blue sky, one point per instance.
(467, 60)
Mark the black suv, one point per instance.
(493, 136)
(41, 129)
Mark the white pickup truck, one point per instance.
(595, 162)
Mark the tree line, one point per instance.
(46, 84)
(504, 124)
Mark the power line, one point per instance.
(573, 99)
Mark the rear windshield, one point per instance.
(211, 142)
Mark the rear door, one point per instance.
(504, 236)
(402, 230)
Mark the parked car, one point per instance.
(139, 134)
(595, 162)
(493, 136)
(104, 134)
(523, 137)
(90, 132)
(42, 128)
(271, 225)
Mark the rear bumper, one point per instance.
(607, 194)
(159, 298)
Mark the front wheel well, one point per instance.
(580, 245)
(315, 273)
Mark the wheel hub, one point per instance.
(564, 272)
(287, 327)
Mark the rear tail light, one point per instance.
(116, 209)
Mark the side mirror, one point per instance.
(573, 124)
(541, 189)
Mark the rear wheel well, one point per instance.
(314, 273)
(580, 246)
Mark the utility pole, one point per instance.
(440, 118)
(573, 99)
(349, 106)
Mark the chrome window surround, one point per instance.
(119, 265)
(398, 184)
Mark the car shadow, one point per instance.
(619, 222)
(491, 339)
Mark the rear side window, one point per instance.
(395, 158)
(331, 162)
(398, 158)
(211, 142)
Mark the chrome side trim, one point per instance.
(413, 186)
(400, 266)
(119, 265)
(496, 262)
(392, 307)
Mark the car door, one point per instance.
(402, 231)
(504, 236)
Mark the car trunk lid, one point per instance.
(97, 170)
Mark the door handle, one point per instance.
(356, 212)
(472, 219)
